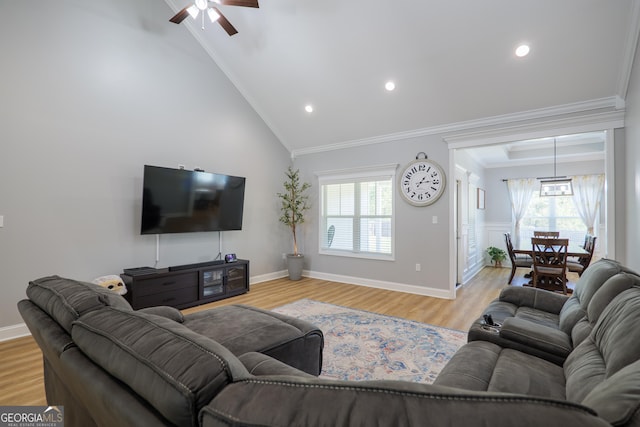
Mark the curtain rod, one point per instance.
(589, 174)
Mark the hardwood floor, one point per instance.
(21, 381)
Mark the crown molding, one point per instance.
(587, 122)
(579, 111)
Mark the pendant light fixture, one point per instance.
(555, 185)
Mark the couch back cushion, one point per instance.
(65, 299)
(176, 370)
(591, 280)
(603, 296)
(596, 370)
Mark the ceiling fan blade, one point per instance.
(224, 23)
(245, 3)
(180, 16)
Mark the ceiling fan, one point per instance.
(212, 12)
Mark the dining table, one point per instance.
(526, 248)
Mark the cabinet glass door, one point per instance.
(212, 283)
(236, 278)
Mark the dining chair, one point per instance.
(581, 263)
(517, 260)
(550, 262)
(554, 234)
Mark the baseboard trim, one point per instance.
(378, 284)
(269, 276)
(14, 331)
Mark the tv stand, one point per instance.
(187, 285)
(196, 265)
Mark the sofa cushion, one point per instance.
(603, 296)
(586, 287)
(617, 399)
(65, 299)
(602, 364)
(173, 368)
(484, 366)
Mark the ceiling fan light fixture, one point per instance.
(193, 11)
(201, 4)
(213, 15)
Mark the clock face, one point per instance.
(422, 182)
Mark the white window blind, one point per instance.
(357, 213)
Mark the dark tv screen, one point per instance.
(182, 201)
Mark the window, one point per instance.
(356, 213)
(557, 213)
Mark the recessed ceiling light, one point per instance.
(308, 108)
(522, 50)
(390, 86)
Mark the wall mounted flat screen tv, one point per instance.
(182, 201)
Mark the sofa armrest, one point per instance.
(259, 364)
(536, 336)
(534, 298)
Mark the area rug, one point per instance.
(361, 345)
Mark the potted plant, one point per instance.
(497, 255)
(294, 202)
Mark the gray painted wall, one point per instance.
(418, 240)
(92, 91)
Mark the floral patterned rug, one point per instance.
(360, 345)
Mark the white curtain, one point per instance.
(587, 193)
(520, 194)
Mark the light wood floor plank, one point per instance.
(21, 381)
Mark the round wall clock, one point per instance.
(422, 181)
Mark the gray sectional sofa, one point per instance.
(110, 365)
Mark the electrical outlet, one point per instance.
(434, 219)
(418, 267)
(284, 256)
(1, 221)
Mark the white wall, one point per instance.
(418, 240)
(92, 91)
(632, 168)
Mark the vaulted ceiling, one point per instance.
(452, 62)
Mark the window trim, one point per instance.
(360, 174)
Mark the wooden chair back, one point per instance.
(509, 243)
(590, 247)
(550, 262)
(516, 261)
(552, 234)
